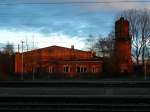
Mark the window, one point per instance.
(78, 69)
(85, 69)
(94, 69)
(66, 69)
(50, 69)
(81, 69)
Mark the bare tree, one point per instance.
(90, 42)
(139, 31)
(7, 62)
(103, 46)
(8, 49)
(27, 44)
(144, 29)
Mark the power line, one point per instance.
(77, 2)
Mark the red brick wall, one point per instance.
(18, 63)
(55, 56)
(122, 53)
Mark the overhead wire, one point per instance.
(74, 2)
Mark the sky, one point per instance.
(42, 23)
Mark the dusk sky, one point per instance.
(60, 22)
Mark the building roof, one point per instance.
(55, 46)
(62, 53)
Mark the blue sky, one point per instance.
(59, 24)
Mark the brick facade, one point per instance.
(122, 52)
(60, 60)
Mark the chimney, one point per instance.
(72, 46)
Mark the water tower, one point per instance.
(122, 52)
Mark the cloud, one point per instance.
(73, 21)
(44, 19)
(38, 40)
(66, 22)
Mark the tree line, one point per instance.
(7, 62)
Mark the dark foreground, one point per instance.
(82, 96)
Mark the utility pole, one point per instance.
(144, 59)
(22, 61)
(26, 44)
(145, 70)
(18, 47)
(33, 74)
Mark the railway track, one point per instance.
(75, 96)
(75, 104)
(76, 83)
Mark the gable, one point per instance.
(56, 52)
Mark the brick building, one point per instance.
(58, 60)
(73, 62)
